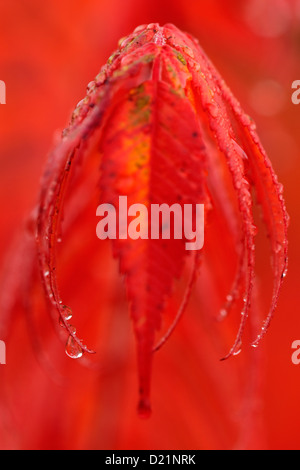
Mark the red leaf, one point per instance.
(165, 129)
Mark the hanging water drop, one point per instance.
(238, 349)
(284, 273)
(73, 349)
(223, 313)
(67, 313)
(65, 316)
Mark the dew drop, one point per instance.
(67, 313)
(252, 126)
(284, 273)
(254, 230)
(139, 29)
(238, 184)
(90, 87)
(223, 313)
(121, 42)
(73, 349)
(280, 188)
(79, 104)
(72, 329)
(159, 38)
(213, 110)
(238, 349)
(189, 51)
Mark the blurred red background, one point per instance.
(48, 54)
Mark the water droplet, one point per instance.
(121, 42)
(237, 349)
(189, 51)
(280, 188)
(238, 184)
(73, 349)
(213, 110)
(91, 87)
(229, 298)
(159, 38)
(67, 313)
(46, 273)
(254, 230)
(284, 273)
(223, 313)
(79, 104)
(139, 28)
